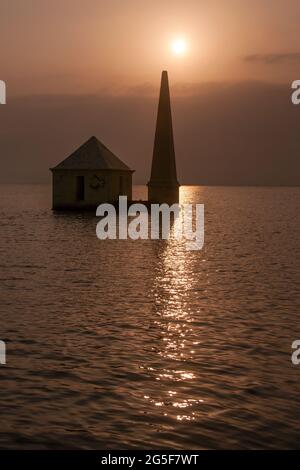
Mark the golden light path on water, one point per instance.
(174, 317)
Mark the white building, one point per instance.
(90, 176)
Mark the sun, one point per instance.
(179, 46)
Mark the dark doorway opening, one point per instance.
(80, 188)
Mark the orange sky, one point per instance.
(87, 46)
(233, 119)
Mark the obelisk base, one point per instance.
(163, 194)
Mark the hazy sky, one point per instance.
(100, 61)
(89, 45)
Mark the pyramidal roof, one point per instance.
(92, 155)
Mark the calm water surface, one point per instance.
(142, 344)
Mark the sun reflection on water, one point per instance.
(173, 321)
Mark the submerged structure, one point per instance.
(93, 174)
(163, 185)
(90, 176)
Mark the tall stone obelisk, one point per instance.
(163, 185)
